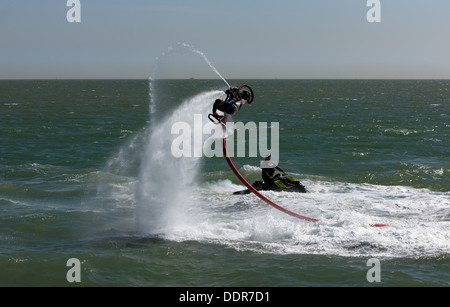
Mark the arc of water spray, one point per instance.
(171, 49)
(195, 50)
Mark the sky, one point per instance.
(252, 39)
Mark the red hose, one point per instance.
(250, 187)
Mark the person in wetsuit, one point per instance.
(231, 104)
(268, 173)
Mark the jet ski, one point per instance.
(281, 183)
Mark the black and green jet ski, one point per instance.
(281, 183)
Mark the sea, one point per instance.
(122, 183)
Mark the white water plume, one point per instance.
(166, 182)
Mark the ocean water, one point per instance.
(87, 171)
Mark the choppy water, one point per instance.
(86, 172)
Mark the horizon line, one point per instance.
(209, 79)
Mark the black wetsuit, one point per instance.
(228, 107)
(231, 104)
(267, 173)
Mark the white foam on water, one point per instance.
(418, 220)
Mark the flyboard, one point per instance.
(223, 121)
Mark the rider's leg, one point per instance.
(240, 103)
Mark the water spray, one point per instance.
(160, 205)
(178, 47)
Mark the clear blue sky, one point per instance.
(242, 39)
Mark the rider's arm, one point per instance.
(278, 168)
